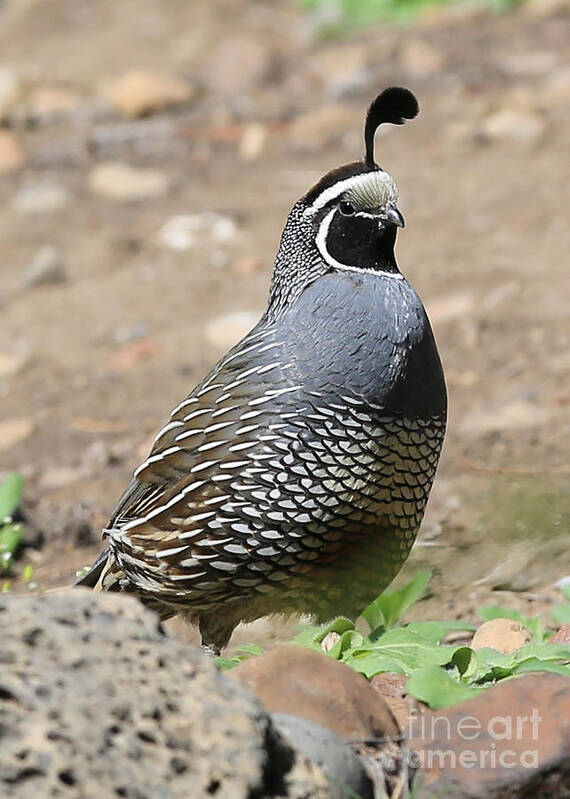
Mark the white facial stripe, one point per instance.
(375, 188)
(321, 241)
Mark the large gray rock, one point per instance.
(96, 701)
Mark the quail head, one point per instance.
(295, 476)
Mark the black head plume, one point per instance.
(394, 105)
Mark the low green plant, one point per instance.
(439, 674)
(242, 653)
(341, 15)
(11, 491)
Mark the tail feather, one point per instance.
(104, 575)
(107, 575)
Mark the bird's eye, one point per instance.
(347, 208)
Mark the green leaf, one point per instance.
(561, 614)
(438, 689)
(391, 605)
(312, 634)
(10, 537)
(490, 665)
(351, 639)
(436, 631)
(465, 660)
(534, 624)
(11, 491)
(242, 653)
(225, 664)
(370, 663)
(399, 650)
(249, 650)
(543, 652)
(534, 664)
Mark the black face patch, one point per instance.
(361, 241)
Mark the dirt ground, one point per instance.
(96, 351)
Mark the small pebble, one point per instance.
(139, 92)
(252, 141)
(127, 333)
(184, 231)
(125, 183)
(504, 635)
(15, 431)
(40, 197)
(46, 268)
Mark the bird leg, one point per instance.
(216, 630)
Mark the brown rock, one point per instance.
(504, 635)
(302, 682)
(511, 741)
(562, 636)
(392, 688)
(12, 155)
(140, 92)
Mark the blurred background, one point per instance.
(149, 155)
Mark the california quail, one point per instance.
(294, 477)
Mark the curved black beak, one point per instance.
(392, 214)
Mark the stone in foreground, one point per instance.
(97, 702)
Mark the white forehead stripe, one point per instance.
(370, 189)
